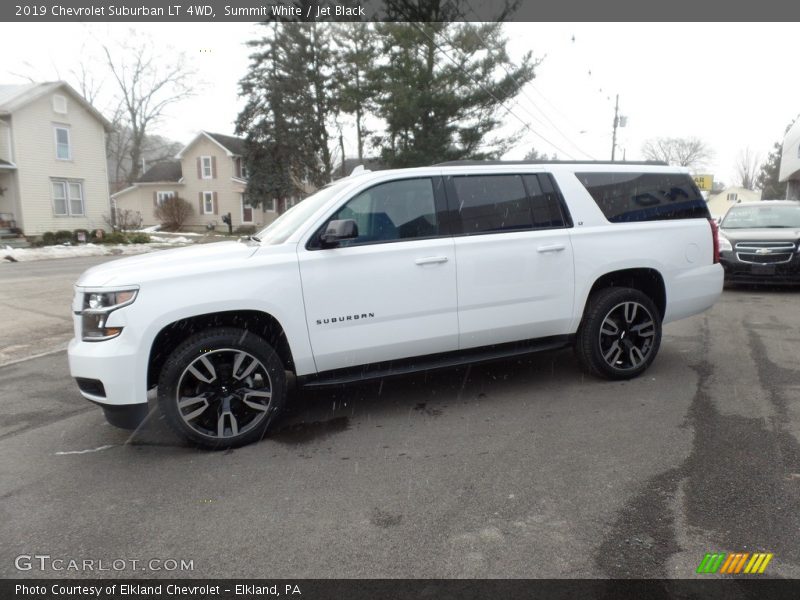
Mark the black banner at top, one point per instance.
(398, 10)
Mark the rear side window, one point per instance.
(497, 203)
(545, 204)
(492, 203)
(627, 197)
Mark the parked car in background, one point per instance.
(760, 242)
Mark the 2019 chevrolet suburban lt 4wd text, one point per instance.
(396, 271)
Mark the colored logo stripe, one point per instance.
(711, 563)
(734, 563)
(758, 563)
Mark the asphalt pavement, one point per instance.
(35, 299)
(521, 468)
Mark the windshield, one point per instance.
(281, 228)
(751, 217)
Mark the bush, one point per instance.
(138, 238)
(115, 238)
(127, 220)
(98, 238)
(173, 213)
(62, 236)
(245, 230)
(48, 238)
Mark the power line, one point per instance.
(479, 84)
(521, 90)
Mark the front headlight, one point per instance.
(724, 244)
(96, 308)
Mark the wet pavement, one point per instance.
(521, 468)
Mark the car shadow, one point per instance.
(314, 414)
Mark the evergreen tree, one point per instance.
(357, 52)
(289, 102)
(441, 90)
(534, 154)
(767, 182)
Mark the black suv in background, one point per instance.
(759, 242)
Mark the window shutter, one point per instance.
(155, 198)
(216, 207)
(213, 167)
(199, 168)
(200, 195)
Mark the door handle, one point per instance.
(429, 260)
(551, 248)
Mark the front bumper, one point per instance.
(736, 271)
(106, 374)
(116, 371)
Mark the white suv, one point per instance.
(397, 271)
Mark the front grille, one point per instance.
(765, 253)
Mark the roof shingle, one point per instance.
(162, 172)
(234, 144)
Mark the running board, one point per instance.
(431, 362)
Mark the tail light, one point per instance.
(715, 238)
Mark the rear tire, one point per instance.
(222, 388)
(620, 333)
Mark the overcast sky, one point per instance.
(732, 85)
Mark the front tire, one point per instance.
(620, 333)
(222, 388)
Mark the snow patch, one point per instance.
(51, 252)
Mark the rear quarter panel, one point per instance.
(681, 250)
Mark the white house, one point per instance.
(53, 171)
(718, 204)
(790, 162)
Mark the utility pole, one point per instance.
(616, 123)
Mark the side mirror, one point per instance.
(346, 229)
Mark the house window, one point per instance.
(732, 197)
(63, 149)
(269, 205)
(161, 196)
(208, 203)
(242, 169)
(67, 198)
(60, 198)
(60, 104)
(207, 171)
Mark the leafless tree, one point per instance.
(88, 78)
(147, 85)
(173, 213)
(689, 152)
(746, 169)
(124, 220)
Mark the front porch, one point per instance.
(10, 234)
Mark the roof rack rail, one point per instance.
(359, 170)
(469, 163)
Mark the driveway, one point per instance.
(521, 468)
(35, 299)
